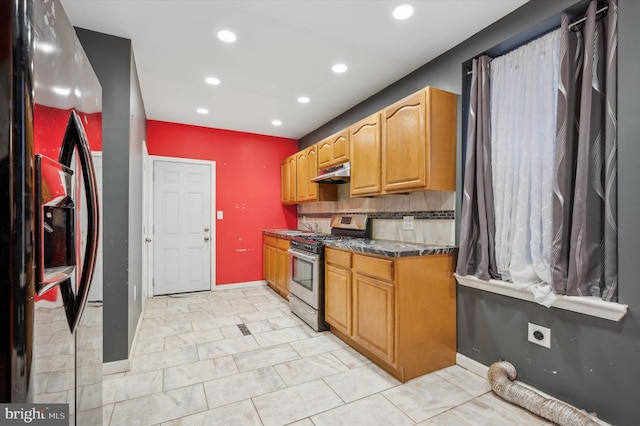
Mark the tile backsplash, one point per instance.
(433, 213)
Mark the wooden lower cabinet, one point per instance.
(373, 316)
(399, 312)
(276, 264)
(269, 259)
(337, 292)
(283, 267)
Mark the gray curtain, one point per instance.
(476, 255)
(584, 249)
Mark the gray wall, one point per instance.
(138, 134)
(111, 58)
(593, 363)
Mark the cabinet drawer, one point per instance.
(373, 267)
(338, 257)
(271, 241)
(283, 244)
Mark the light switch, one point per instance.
(219, 215)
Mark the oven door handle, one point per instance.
(302, 256)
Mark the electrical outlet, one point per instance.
(539, 335)
(407, 223)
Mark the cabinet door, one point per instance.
(373, 316)
(283, 272)
(292, 179)
(337, 295)
(302, 176)
(340, 148)
(404, 144)
(325, 153)
(284, 182)
(366, 167)
(312, 171)
(441, 139)
(269, 264)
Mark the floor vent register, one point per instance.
(244, 329)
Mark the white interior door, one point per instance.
(182, 227)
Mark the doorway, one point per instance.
(183, 234)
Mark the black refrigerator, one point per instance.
(50, 121)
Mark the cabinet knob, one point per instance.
(206, 238)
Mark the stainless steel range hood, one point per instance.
(337, 174)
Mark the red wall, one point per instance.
(247, 189)
(50, 124)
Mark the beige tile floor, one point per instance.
(192, 365)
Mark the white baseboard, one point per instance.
(472, 365)
(124, 365)
(114, 367)
(234, 286)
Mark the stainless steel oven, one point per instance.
(306, 285)
(305, 276)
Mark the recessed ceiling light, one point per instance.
(303, 100)
(212, 81)
(403, 11)
(276, 123)
(227, 36)
(339, 68)
(202, 111)
(61, 91)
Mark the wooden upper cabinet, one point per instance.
(297, 171)
(333, 150)
(340, 148)
(302, 176)
(418, 142)
(288, 180)
(307, 168)
(284, 181)
(408, 146)
(404, 144)
(292, 179)
(325, 154)
(312, 171)
(366, 166)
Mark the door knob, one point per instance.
(206, 238)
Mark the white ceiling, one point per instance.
(284, 50)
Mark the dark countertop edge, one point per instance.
(279, 233)
(380, 250)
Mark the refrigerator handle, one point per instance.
(76, 138)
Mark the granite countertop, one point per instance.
(389, 248)
(363, 245)
(283, 233)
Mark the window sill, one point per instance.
(588, 305)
